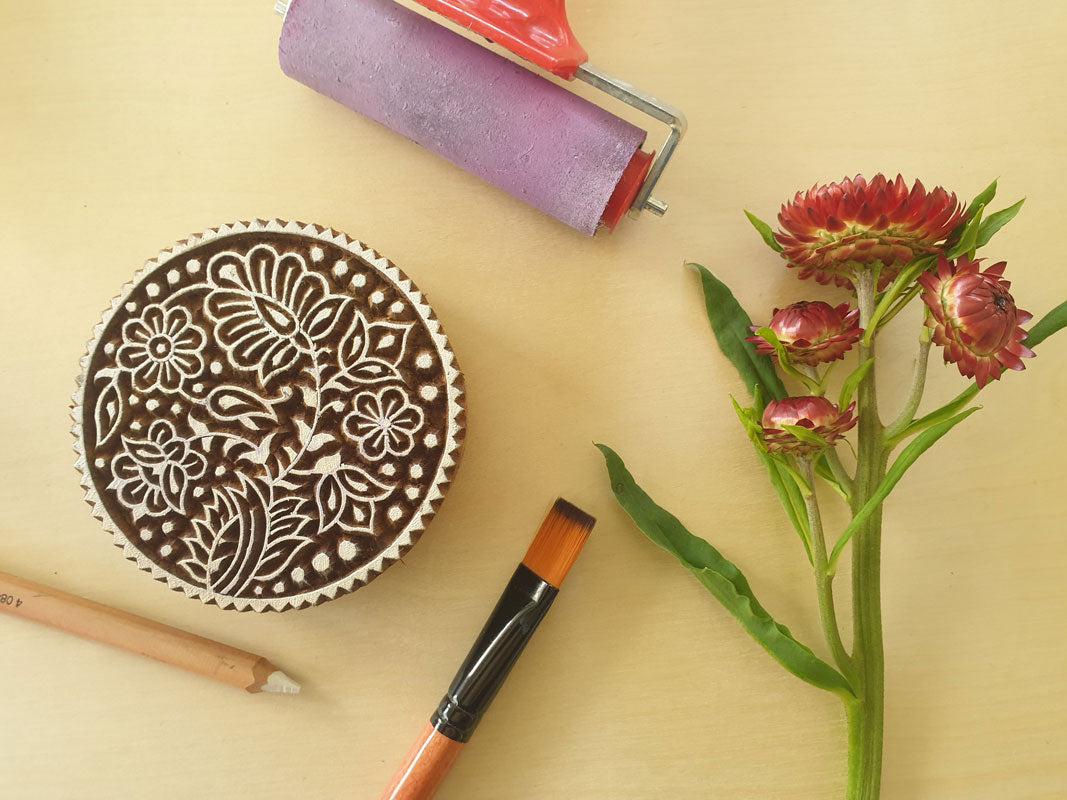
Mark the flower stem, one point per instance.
(839, 471)
(892, 312)
(918, 384)
(865, 716)
(824, 579)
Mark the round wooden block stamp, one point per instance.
(268, 416)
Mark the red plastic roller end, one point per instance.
(626, 190)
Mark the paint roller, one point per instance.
(483, 112)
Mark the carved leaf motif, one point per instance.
(172, 485)
(235, 403)
(387, 341)
(327, 464)
(197, 570)
(201, 541)
(342, 497)
(321, 319)
(319, 440)
(261, 453)
(276, 316)
(352, 345)
(147, 454)
(370, 370)
(291, 515)
(291, 524)
(356, 482)
(201, 433)
(241, 541)
(331, 501)
(283, 552)
(303, 430)
(109, 410)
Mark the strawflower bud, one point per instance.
(817, 414)
(974, 318)
(833, 231)
(812, 332)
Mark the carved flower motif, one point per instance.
(161, 348)
(383, 423)
(268, 308)
(153, 475)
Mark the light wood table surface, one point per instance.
(125, 126)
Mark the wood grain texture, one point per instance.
(424, 768)
(129, 125)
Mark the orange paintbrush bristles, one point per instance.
(558, 542)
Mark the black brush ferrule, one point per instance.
(521, 607)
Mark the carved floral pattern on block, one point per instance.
(268, 415)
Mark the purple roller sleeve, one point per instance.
(495, 119)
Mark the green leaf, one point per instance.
(731, 325)
(852, 382)
(907, 457)
(885, 310)
(787, 491)
(764, 231)
(983, 198)
(969, 237)
(723, 579)
(771, 338)
(950, 409)
(750, 421)
(826, 472)
(994, 222)
(1052, 322)
(805, 435)
(789, 496)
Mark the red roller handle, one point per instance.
(536, 30)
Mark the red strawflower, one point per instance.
(974, 318)
(834, 230)
(817, 414)
(812, 332)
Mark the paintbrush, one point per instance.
(521, 607)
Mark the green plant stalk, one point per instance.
(865, 716)
(824, 579)
(918, 384)
(903, 301)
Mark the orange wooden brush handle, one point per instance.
(426, 765)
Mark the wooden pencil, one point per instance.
(73, 614)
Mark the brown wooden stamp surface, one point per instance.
(267, 416)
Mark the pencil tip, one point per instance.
(280, 683)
